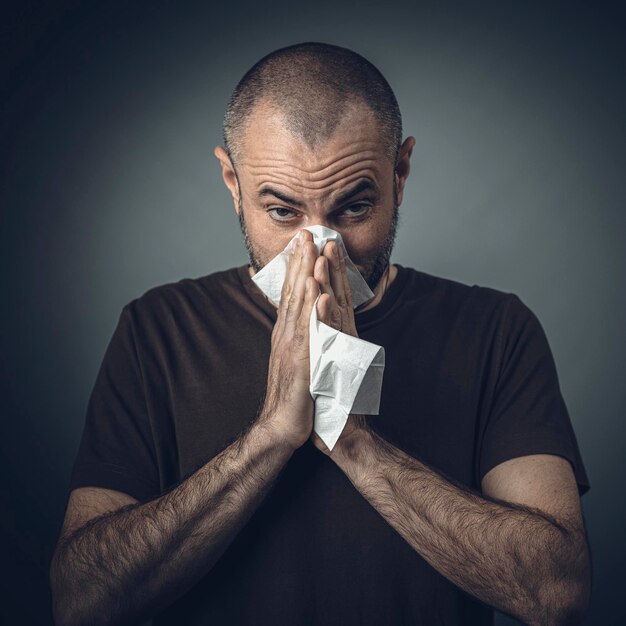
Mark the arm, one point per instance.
(521, 547)
(527, 556)
(135, 560)
(119, 561)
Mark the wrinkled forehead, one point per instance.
(271, 141)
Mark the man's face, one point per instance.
(347, 184)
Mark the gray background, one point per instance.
(109, 187)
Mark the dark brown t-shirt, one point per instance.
(469, 382)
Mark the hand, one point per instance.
(288, 406)
(334, 306)
(354, 425)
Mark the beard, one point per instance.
(373, 267)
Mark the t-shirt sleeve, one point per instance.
(528, 414)
(117, 449)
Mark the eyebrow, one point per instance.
(266, 190)
(363, 185)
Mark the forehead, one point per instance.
(268, 142)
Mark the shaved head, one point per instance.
(313, 136)
(313, 85)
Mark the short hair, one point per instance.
(313, 84)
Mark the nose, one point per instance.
(316, 221)
(326, 224)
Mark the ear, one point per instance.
(403, 167)
(228, 174)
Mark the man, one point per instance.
(201, 494)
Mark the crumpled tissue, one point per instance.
(346, 372)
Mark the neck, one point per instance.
(379, 291)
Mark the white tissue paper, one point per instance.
(346, 371)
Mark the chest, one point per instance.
(430, 403)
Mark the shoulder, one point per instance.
(168, 299)
(476, 316)
(453, 297)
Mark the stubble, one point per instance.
(375, 265)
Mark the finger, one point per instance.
(311, 291)
(305, 270)
(331, 313)
(337, 267)
(293, 265)
(342, 291)
(349, 320)
(323, 308)
(322, 276)
(347, 290)
(346, 301)
(292, 262)
(340, 315)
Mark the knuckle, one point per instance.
(300, 332)
(299, 337)
(285, 292)
(280, 320)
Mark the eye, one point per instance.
(356, 210)
(280, 214)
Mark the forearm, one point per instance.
(512, 557)
(124, 566)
